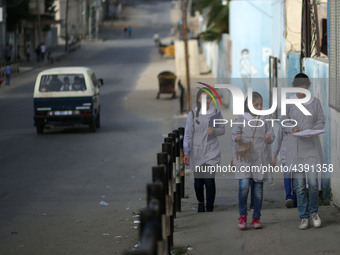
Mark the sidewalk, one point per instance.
(218, 233)
(57, 53)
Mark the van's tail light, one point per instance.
(86, 112)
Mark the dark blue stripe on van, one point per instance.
(64, 103)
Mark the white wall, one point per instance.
(293, 10)
(193, 58)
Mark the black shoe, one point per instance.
(289, 203)
(201, 207)
(210, 209)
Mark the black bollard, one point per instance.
(149, 233)
(172, 171)
(162, 159)
(182, 96)
(159, 174)
(155, 192)
(181, 131)
(178, 176)
(167, 148)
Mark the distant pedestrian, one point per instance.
(129, 29)
(253, 151)
(28, 51)
(8, 71)
(125, 30)
(156, 39)
(50, 57)
(38, 52)
(43, 51)
(202, 150)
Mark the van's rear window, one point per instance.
(62, 82)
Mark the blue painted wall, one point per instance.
(256, 26)
(292, 66)
(251, 28)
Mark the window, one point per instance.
(334, 54)
(94, 80)
(62, 83)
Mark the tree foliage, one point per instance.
(217, 19)
(16, 12)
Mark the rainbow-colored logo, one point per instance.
(208, 92)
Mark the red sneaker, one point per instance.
(256, 224)
(242, 222)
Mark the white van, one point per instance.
(67, 96)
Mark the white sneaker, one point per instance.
(316, 220)
(304, 224)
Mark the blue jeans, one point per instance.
(210, 190)
(252, 195)
(289, 186)
(306, 206)
(244, 185)
(8, 79)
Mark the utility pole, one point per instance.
(186, 52)
(66, 27)
(38, 20)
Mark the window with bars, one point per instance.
(334, 54)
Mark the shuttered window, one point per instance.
(334, 54)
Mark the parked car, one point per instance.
(67, 96)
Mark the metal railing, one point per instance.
(163, 198)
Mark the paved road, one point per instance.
(51, 185)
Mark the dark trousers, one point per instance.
(210, 190)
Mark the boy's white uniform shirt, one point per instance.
(305, 150)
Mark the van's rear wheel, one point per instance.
(98, 121)
(92, 126)
(40, 129)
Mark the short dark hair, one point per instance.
(301, 79)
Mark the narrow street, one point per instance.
(70, 191)
(51, 185)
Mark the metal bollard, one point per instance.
(162, 159)
(155, 192)
(172, 171)
(150, 233)
(181, 131)
(182, 96)
(178, 176)
(165, 159)
(159, 175)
